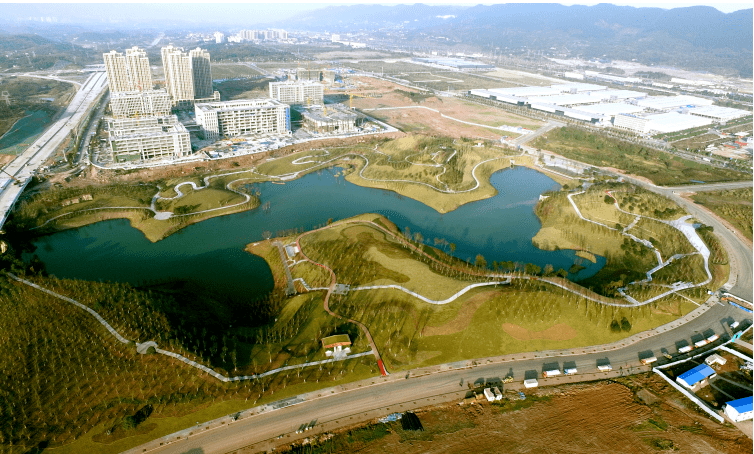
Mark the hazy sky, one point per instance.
(242, 13)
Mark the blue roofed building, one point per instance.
(696, 377)
(740, 409)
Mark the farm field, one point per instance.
(735, 206)
(661, 168)
(647, 416)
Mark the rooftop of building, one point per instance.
(743, 405)
(297, 82)
(317, 113)
(697, 374)
(334, 341)
(239, 104)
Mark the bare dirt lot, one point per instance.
(642, 414)
(416, 119)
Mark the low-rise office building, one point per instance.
(242, 116)
(134, 139)
(298, 92)
(151, 103)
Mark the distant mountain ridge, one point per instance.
(694, 37)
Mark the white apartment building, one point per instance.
(631, 123)
(188, 76)
(148, 103)
(242, 116)
(179, 77)
(134, 139)
(128, 73)
(219, 37)
(201, 71)
(298, 92)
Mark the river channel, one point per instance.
(211, 252)
(25, 131)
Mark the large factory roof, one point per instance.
(673, 102)
(612, 108)
(719, 113)
(565, 99)
(579, 87)
(526, 91)
(618, 94)
(673, 121)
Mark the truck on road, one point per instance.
(551, 373)
(648, 360)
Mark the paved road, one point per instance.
(711, 186)
(23, 167)
(739, 253)
(381, 396)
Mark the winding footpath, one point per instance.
(143, 346)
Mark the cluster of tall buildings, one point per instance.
(142, 126)
(258, 35)
(188, 76)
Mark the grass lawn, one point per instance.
(483, 322)
(733, 205)
(662, 168)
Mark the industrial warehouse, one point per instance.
(624, 109)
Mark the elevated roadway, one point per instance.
(16, 175)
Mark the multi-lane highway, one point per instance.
(380, 396)
(17, 174)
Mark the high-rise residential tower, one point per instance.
(188, 76)
(202, 73)
(179, 79)
(128, 73)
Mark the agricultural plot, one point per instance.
(646, 418)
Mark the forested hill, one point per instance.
(697, 38)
